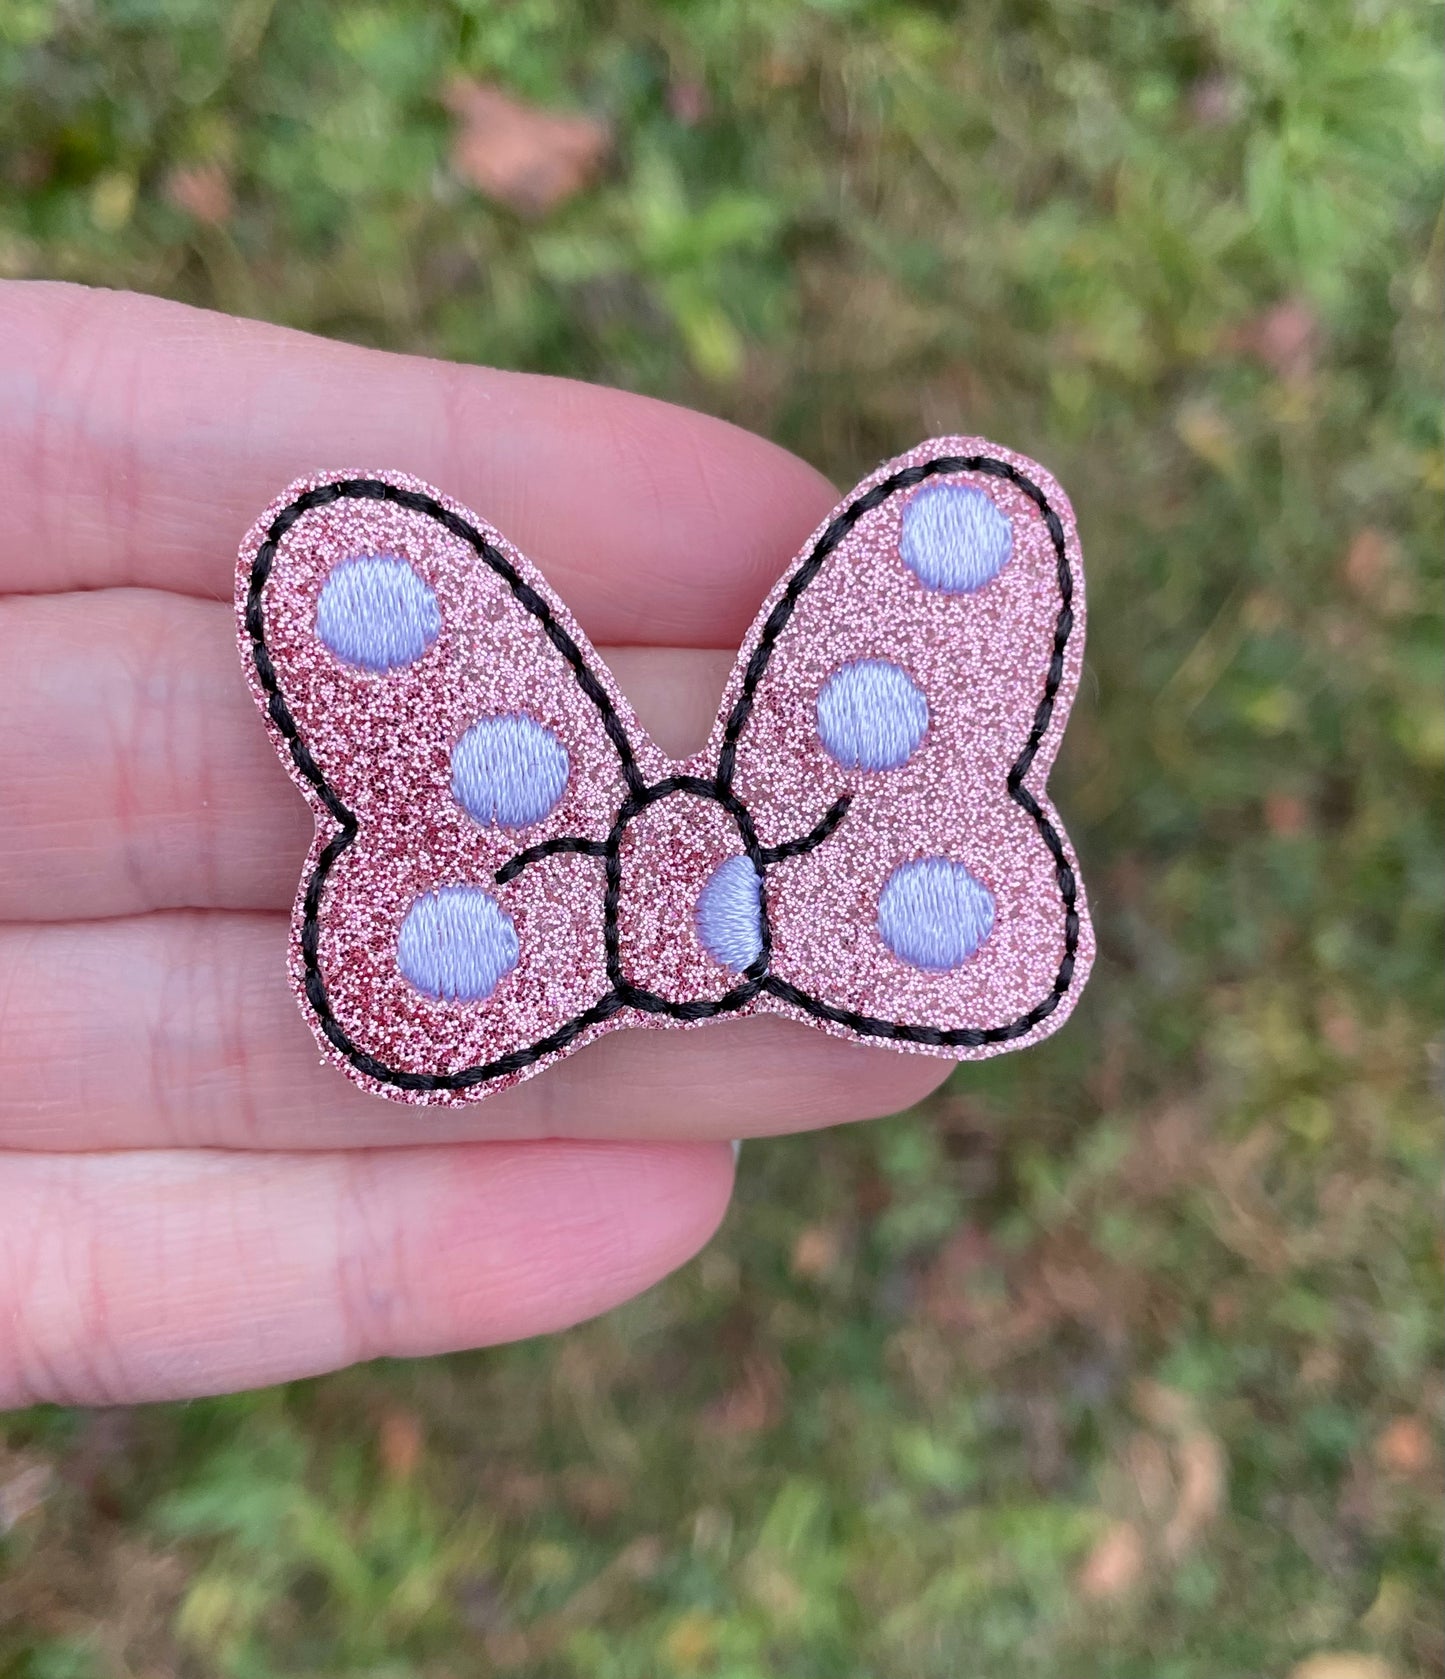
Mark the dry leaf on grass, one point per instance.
(1342, 1664)
(22, 1492)
(1284, 338)
(1201, 1467)
(1286, 815)
(593, 1495)
(521, 155)
(756, 1402)
(202, 190)
(964, 1287)
(1151, 1476)
(1404, 1448)
(688, 102)
(816, 1252)
(1215, 101)
(1178, 1473)
(399, 1444)
(1372, 571)
(1115, 1565)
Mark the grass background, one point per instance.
(1122, 1357)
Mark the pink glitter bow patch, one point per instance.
(505, 865)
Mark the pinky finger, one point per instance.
(163, 1275)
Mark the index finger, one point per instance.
(139, 438)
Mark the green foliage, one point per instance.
(1173, 1277)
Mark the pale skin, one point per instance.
(189, 1201)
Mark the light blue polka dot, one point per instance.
(934, 914)
(509, 771)
(954, 538)
(376, 613)
(456, 944)
(871, 715)
(730, 914)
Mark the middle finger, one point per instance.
(137, 774)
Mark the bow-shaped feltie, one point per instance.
(505, 865)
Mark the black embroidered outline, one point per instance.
(623, 993)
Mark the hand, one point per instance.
(189, 1201)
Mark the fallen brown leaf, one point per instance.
(399, 1444)
(1146, 1460)
(755, 1403)
(1340, 1026)
(508, 1648)
(202, 190)
(22, 1492)
(688, 102)
(1167, 1151)
(1367, 560)
(1404, 1448)
(593, 1494)
(816, 1252)
(521, 155)
(1224, 1309)
(1372, 571)
(1215, 101)
(1284, 337)
(1115, 1565)
(1201, 1466)
(1341, 1664)
(521, 1492)
(964, 1285)
(1286, 815)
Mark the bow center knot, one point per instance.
(690, 912)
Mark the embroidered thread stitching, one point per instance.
(624, 993)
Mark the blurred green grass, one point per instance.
(1123, 1357)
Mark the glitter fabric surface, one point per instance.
(603, 888)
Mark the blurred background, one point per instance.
(1122, 1356)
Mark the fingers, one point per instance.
(139, 438)
(166, 1275)
(179, 1031)
(138, 775)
